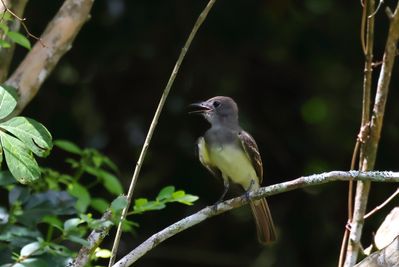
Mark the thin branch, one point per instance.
(6, 54)
(40, 61)
(382, 205)
(227, 205)
(371, 145)
(154, 122)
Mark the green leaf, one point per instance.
(187, 199)
(68, 146)
(8, 100)
(82, 194)
(30, 249)
(79, 240)
(6, 177)
(33, 262)
(32, 133)
(53, 221)
(142, 205)
(72, 224)
(166, 193)
(20, 160)
(4, 44)
(178, 194)
(102, 253)
(4, 27)
(19, 39)
(110, 182)
(99, 204)
(119, 204)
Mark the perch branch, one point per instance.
(210, 211)
(40, 61)
(371, 143)
(154, 122)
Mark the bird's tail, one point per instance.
(264, 222)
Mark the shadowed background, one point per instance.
(295, 70)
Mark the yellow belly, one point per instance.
(234, 164)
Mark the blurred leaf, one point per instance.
(78, 239)
(8, 100)
(3, 216)
(314, 110)
(30, 249)
(4, 44)
(34, 262)
(6, 178)
(166, 193)
(142, 205)
(19, 39)
(110, 182)
(99, 204)
(82, 194)
(32, 133)
(68, 146)
(187, 199)
(18, 193)
(102, 253)
(72, 224)
(119, 204)
(53, 221)
(20, 160)
(178, 194)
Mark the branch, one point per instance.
(6, 54)
(387, 257)
(371, 144)
(210, 211)
(40, 61)
(95, 238)
(154, 123)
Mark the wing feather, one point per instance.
(252, 151)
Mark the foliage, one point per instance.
(7, 36)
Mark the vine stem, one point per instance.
(154, 123)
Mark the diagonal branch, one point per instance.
(154, 122)
(210, 211)
(40, 61)
(371, 144)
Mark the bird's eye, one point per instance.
(216, 104)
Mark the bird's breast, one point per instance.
(233, 162)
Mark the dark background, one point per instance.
(294, 67)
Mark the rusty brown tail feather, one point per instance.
(264, 221)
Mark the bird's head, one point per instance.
(218, 109)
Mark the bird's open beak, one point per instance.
(199, 108)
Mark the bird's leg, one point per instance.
(249, 189)
(226, 184)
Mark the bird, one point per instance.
(230, 153)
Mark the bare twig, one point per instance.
(40, 61)
(370, 147)
(6, 55)
(154, 122)
(382, 205)
(208, 212)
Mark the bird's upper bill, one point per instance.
(201, 108)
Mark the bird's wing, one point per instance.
(204, 158)
(252, 151)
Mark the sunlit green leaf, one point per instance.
(8, 100)
(68, 146)
(32, 133)
(20, 160)
(19, 39)
(166, 193)
(102, 253)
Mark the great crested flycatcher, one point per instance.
(229, 152)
